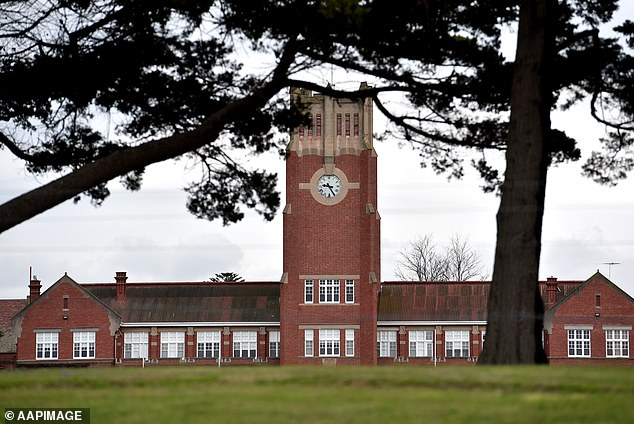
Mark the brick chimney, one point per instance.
(551, 292)
(120, 279)
(34, 288)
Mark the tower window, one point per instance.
(349, 291)
(338, 124)
(328, 291)
(329, 342)
(308, 291)
(347, 125)
(310, 125)
(308, 342)
(349, 342)
(356, 124)
(318, 125)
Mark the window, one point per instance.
(347, 125)
(456, 344)
(318, 125)
(617, 343)
(83, 344)
(308, 343)
(328, 291)
(135, 345)
(338, 124)
(356, 124)
(310, 125)
(308, 291)
(349, 291)
(597, 300)
(172, 344)
(274, 344)
(386, 343)
(421, 343)
(46, 345)
(329, 342)
(579, 343)
(245, 344)
(208, 344)
(349, 342)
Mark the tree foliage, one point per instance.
(423, 260)
(226, 277)
(165, 72)
(170, 76)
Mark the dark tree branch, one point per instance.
(129, 159)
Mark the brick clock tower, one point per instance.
(330, 284)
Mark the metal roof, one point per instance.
(464, 301)
(193, 302)
(432, 301)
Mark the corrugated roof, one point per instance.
(193, 302)
(446, 301)
(433, 301)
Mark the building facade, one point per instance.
(330, 306)
(331, 267)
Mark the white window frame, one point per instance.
(135, 345)
(329, 291)
(309, 291)
(617, 343)
(421, 343)
(579, 345)
(84, 344)
(329, 342)
(172, 344)
(245, 344)
(349, 342)
(274, 344)
(208, 344)
(46, 346)
(457, 344)
(309, 345)
(349, 291)
(386, 343)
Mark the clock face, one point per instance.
(329, 186)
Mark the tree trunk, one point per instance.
(515, 309)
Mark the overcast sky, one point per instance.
(152, 237)
(150, 234)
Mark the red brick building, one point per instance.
(329, 307)
(595, 320)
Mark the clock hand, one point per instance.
(332, 191)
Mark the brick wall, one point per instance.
(598, 306)
(330, 240)
(65, 308)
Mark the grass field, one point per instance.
(330, 394)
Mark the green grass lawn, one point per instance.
(385, 395)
